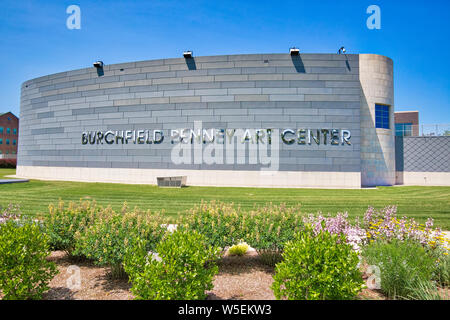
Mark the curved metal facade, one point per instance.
(107, 125)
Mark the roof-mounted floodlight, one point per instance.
(294, 51)
(187, 54)
(98, 64)
(342, 50)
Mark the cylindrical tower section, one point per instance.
(377, 120)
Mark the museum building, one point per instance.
(263, 120)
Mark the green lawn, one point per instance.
(417, 202)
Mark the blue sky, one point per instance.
(34, 39)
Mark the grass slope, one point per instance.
(417, 202)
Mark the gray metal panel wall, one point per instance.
(234, 91)
(422, 154)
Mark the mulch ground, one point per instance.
(96, 282)
(239, 278)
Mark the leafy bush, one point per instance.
(8, 163)
(107, 238)
(265, 228)
(423, 290)
(238, 249)
(402, 264)
(11, 212)
(219, 222)
(182, 269)
(441, 274)
(269, 228)
(321, 266)
(270, 257)
(62, 223)
(24, 269)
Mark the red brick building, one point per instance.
(406, 123)
(9, 135)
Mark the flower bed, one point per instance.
(87, 232)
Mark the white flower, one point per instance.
(154, 255)
(170, 227)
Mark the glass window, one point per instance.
(8, 130)
(1, 129)
(15, 131)
(1, 141)
(7, 141)
(14, 142)
(381, 116)
(403, 129)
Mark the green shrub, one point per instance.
(62, 223)
(402, 264)
(12, 211)
(8, 163)
(238, 249)
(107, 238)
(423, 290)
(317, 267)
(270, 257)
(441, 273)
(219, 222)
(183, 269)
(269, 228)
(266, 229)
(24, 269)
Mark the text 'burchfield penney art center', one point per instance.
(269, 120)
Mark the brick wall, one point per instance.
(409, 117)
(11, 122)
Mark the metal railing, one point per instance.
(426, 130)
